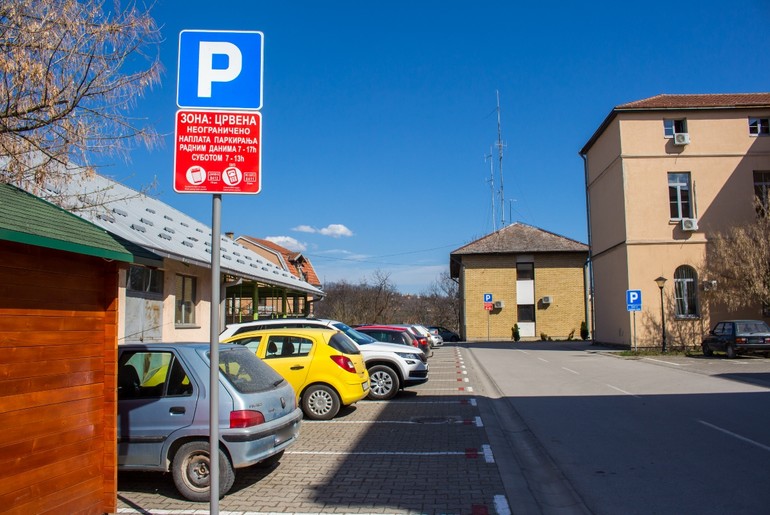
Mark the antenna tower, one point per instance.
(500, 146)
(491, 182)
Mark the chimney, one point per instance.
(230, 235)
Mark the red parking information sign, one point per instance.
(217, 152)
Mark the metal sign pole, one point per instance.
(216, 223)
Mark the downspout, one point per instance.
(589, 291)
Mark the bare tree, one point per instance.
(739, 261)
(70, 71)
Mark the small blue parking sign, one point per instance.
(487, 297)
(634, 300)
(220, 69)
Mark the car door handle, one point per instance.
(298, 367)
(177, 410)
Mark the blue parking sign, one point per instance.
(487, 297)
(220, 69)
(634, 300)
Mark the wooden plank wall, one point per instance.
(58, 351)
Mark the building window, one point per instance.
(525, 313)
(185, 300)
(762, 186)
(144, 280)
(759, 126)
(671, 127)
(525, 271)
(685, 290)
(679, 195)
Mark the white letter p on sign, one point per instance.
(207, 74)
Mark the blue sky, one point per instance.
(377, 116)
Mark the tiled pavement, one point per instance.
(425, 451)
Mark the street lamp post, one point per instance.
(661, 282)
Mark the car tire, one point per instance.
(191, 472)
(272, 460)
(707, 350)
(383, 383)
(730, 350)
(320, 402)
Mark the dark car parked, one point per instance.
(735, 337)
(447, 334)
(393, 334)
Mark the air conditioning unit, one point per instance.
(499, 304)
(547, 299)
(681, 138)
(689, 224)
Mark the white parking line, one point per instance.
(379, 453)
(544, 360)
(570, 370)
(664, 361)
(501, 505)
(735, 435)
(488, 457)
(622, 391)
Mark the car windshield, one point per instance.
(757, 326)
(245, 371)
(343, 344)
(358, 337)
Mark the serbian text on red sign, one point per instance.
(218, 152)
(488, 306)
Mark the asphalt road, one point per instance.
(662, 435)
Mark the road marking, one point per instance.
(488, 457)
(450, 420)
(570, 370)
(521, 350)
(543, 359)
(479, 423)
(470, 453)
(472, 402)
(735, 435)
(501, 505)
(622, 391)
(664, 361)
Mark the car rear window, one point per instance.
(356, 336)
(343, 344)
(246, 372)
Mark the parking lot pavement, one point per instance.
(425, 451)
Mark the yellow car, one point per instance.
(324, 366)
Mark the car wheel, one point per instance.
(191, 472)
(319, 402)
(384, 383)
(707, 350)
(272, 460)
(730, 349)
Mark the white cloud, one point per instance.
(288, 242)
(333, 230)
(336, 231)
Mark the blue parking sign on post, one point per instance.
(220, 69)
(487, 297)
(634, 300)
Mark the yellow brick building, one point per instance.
(527, 276)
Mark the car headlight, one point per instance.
(409, 355)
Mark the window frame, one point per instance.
(530, 307)
(759, 126)
(151, 279)
(182, 317)
(686, 292)
(679, 202)
(673, 126)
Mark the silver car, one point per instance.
(163, 413)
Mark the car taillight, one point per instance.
(740, 339)
(345, 363)
(245, 418)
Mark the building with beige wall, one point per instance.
(536, 280)
(662, 175)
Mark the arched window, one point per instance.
(686, 291)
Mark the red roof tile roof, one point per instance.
(293, 260)
(700, 101)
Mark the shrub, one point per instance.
(583, 330)
(515, 332)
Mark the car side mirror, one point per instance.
(712, 333)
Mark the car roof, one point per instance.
(290, 330)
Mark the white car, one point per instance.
(391, 367)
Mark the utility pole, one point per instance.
(500, 158)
